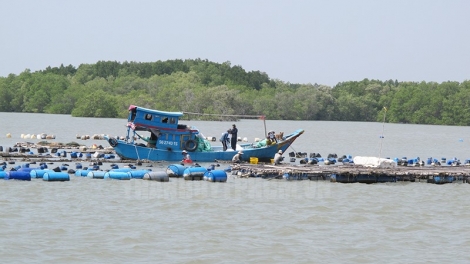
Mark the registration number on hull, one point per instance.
(168, 143)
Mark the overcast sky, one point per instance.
(295, 41)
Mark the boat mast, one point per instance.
(262, 117)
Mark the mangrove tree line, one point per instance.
(107, 88)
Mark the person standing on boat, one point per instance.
(234, 132)
(225, 139)
(186, 157)
(238, 157)
(278, 158)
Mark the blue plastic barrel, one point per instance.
(3, 174)
(194, 173)
(18, 175)
(55, 176)
(137, 174)
(78, 166)
(96, 174)
(37, 173)
(215, 176)
(121, 170)
(117, 175)
(82, 173)
(175, 170)
(160, 176)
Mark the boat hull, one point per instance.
(132, 151)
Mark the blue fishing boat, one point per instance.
(168, 138)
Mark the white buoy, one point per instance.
(245, 139)
(257, 139)
(8, 135)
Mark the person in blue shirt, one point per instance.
(225, 139)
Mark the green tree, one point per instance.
(96, 104)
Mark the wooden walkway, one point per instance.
(356, 173)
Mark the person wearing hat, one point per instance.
(238, 157)
(233, 140)
(278, 158)
(186, 157)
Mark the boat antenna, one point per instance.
(382, 136)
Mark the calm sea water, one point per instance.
(242, 220)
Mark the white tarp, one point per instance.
(374, 162)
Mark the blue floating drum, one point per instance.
(117, 175)
(215, 176)
(55, 176)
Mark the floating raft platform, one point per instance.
(356, 173)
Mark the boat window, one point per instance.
(165, 120)
(148, 117)
(172, 120)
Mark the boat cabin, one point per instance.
(163, 127)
